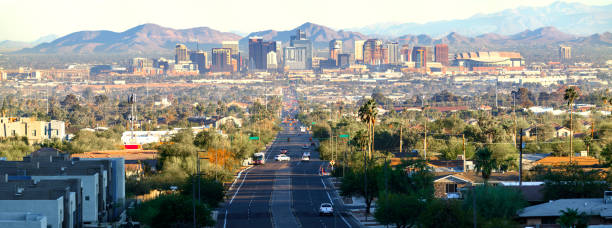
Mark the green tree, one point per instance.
(211, 191)
(494, 204)
(444, 214)
(571, 94)
(391, 209)
(571, 182)
(570, 218)
(172, 210)
(484, 162)
(367, 114)
(353, 185)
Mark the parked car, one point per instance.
(282, 157)
(326, 209)
(305, 147)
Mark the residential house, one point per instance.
(450, 184)
(562, 132)
(598, 210)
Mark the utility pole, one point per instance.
(425, 139)
(463, 136)
(400, 139)
(521, 159)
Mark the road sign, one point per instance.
(332, 162)
(344, 136)
(254, 138)
(313, 123)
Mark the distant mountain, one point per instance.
(575, 18)
(146, 38)
(538, 44)
(319, 34)
(10, 45)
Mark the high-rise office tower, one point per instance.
(393, 53)
(359, 50)
(430, 54)
(271, 60)
(233, 45)
(335, 48)
(406, 53)
(372, 52)
(256, 53)
(199, 58)
(221, 60)
(565, 53)
(442, 54)
(419, 57)
(181, 54)
(297, 43)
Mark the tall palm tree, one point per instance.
(571, 94)
(484, 162)
(367, 114)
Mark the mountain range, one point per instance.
(11, 45)
(146, 38)
(575, 18)
(155, 39)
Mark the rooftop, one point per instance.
(590, 206)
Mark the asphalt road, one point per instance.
(283, 194)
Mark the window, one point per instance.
(451, 188)
(87, 198)
(33, 132)
(13, 133)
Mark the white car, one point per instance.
(305, 158)
(326, 209)
(282, 157)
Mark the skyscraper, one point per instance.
(393, 53)
(359, 50)
(430, 54)
(199, 58)
(233, 45)
(256, 53)
(298, 56)
(335, 48)
(406, 53)
(372, 52)
(565, 53)
(271, 62)
(181, 54)
(221, 60)
(442, 54)
(419, 57)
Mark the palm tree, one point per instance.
(571, 94)
(484, 163)
(367, 114)
(570, 218)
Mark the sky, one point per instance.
(28, 20)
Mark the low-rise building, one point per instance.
(597, 210)
(35, 130)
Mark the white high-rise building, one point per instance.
(271, 60)
(359, 50)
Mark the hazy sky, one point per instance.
(27, 20)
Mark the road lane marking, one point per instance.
(235, 193)
(322, 182)
(346, 222)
